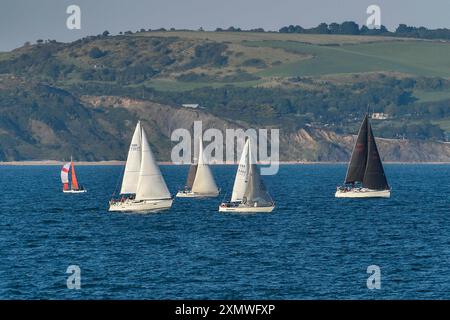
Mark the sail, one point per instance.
(133, 165)
(357, 165)
(65, 176)
(240, 182)
(74, 178)
(191, 175)
(204, 180)
(374, 177)
(151, 184)
(256, 192)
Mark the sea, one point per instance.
(312, 246)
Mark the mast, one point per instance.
(357, 165)
(374, 176)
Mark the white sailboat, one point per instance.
(200, 182)
(249, 192)
(143, 187)
(74, 186)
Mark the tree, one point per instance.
(334, 28)
(322, 29)
(349, 27)
(96, 53)
(105, 33)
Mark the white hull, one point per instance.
(144, 206)
(243, 208)
(74, 191)
(190, 194)
(363, 193)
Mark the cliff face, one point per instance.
(307, 144)
(319, 145)
(40, 122)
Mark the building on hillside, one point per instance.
(190, 105)
(379, 116)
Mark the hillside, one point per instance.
(84, 97)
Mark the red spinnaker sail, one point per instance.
(74, 179)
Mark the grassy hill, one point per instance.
(288, 81)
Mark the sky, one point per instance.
(26, 20)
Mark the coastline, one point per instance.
(169, 163)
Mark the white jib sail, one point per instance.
(133, 165)
(65, 173)
(151, 184)
(204, 181)
(240, 182)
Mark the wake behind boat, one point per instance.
(365, 174)
(143, 187)
(200, 181)
(249, 192)
(74, 186)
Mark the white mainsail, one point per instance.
(65, 173)
(133, 165)
(204, 181)
(151, 184)
(240, 182)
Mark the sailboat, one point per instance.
(143, 187)
(249, 192)
(365, 176)
(74, 187)
(200, 181)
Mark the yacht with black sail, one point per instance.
(365, 176)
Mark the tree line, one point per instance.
(352, 28)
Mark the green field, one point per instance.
(4, 55)
(431, 96)
(321, 55)
(423, 58)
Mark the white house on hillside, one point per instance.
(190, 105)
(379, 116)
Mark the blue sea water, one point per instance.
(312, 246)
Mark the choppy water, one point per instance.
(312, 246)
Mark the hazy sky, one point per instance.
(27, 20)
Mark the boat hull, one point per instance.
(245, 209)
(363, 193)
(144, 206)
(190, 194)
(74, 191)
